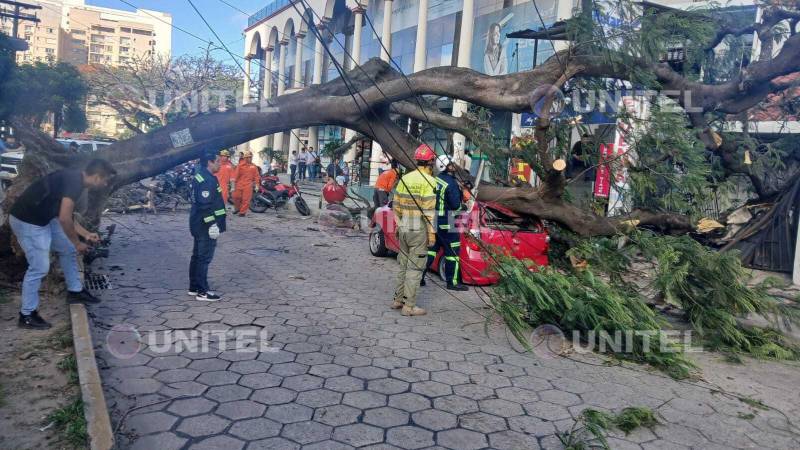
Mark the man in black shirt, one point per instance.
(42, 219)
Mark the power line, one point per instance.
(217, 36)
(236, 8)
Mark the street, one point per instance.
(344, 371)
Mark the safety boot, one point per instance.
(396, 304)
(413, 311)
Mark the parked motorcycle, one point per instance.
(274, 194)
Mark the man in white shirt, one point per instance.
(302, 160)
(293, 165)
(311, 163)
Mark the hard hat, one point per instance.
(424, 153)
(442, 161)
(224, 153)
(247, 154)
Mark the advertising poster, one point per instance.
(495, 54)
(602, 182)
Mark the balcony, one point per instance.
(267, 11)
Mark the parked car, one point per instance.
(488, 225)
(84, 146)
(8, 166)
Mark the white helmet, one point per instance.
(442, 161)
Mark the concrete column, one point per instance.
(358, 23)
(298, 60)
(246, 91)
(464, 50)
(281, 87)
(268, 72)
(386, 32)
(421, 51)
(319, 53)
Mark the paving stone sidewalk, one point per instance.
(345, 371)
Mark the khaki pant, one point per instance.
(412, 258)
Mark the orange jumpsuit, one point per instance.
(245, 176)
(224, 175)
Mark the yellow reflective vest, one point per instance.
(414, 203)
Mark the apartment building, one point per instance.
(74, 32)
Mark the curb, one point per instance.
(98, 423)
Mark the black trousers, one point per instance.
(202, 254)
(380, 198)
(451, 243)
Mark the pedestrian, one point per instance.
(312, 163)
(293, 166)
(414, 203)
(42, 220)
(224, 175)
(246, 181)
(346, 173)
(385, 185)
(302, 163)
(448, 237)
(206, 223)
(333, 168)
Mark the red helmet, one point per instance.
(424, 153)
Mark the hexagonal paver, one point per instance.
(228, 393)
(560, 397)
(148, 423)
(318, 398)
(218, 378)
(409, 402)
(218, 442)
(364, 399)
(177, 375)
(241, 409)
(337, 415)
(344, 384)
(289, 413)
(434, 420)
(260, 380)
(329, 445)
(254, 429)
(191, 406)
(547, 411)
(248, 367)
(273, 396)
(205, 425)
(301, 383)
(517, 395)
(500, 407)
(410, 437)
(369, 372)
(169, 362)
(278, 357)
(512, 440)
(456, 404)
(431, 388)
(387, 386)
(462, 439)
(307, 432)
(411, 374)
(482, 422)
(288, 369)
(358, 435)
(161, 441)
(386, 417)
(275, 443)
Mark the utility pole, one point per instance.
(17, 15)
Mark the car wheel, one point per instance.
(302, 207)
(377, 243)
(441, 269)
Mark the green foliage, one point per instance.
(582, 302)
(33, 91)
(69, 365)
(330, 147)
(590, 429)
(710, 287)
(75, 119)
(72, 423)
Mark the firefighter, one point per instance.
(224, 174)
(448, 237)
(246, 180)
(414, 203)
(206, 222)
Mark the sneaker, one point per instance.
(32, 321)
(458, 287)
(192, 293)
(83, 297)
(413, 311)
(207, 297)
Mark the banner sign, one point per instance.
(602, 182)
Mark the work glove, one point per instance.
(431, 239)
(213, 231)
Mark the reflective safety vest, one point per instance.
(207, 205)
(414, 203)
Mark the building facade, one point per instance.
(410, 34)
(71, 31)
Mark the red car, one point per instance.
(497, 227)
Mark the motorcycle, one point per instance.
(274, 194)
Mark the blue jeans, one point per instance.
(37, 242)
(202, 254)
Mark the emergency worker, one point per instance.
(246, 180)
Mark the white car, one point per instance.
(84, 146)
(8, 166)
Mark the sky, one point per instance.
(226, 21)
